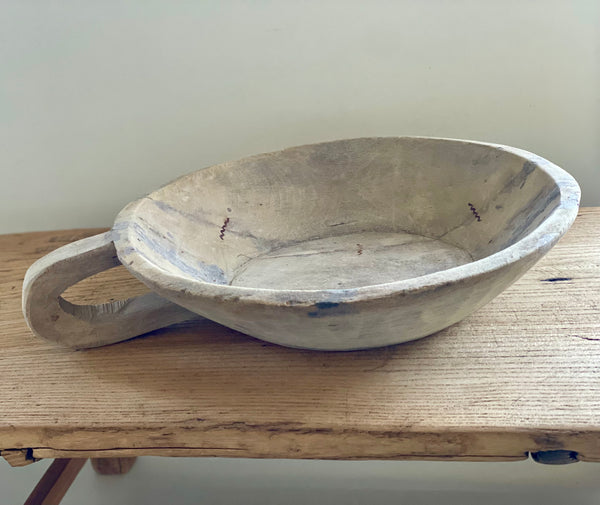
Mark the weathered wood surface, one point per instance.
(521, 374)
(89, 325)
(350, 244)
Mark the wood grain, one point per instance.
(55, 482)
(520, 375)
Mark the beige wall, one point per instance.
(101, 102)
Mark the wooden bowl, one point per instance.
(341, 245)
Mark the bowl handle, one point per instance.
(52, 317)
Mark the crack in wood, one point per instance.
(586, 338)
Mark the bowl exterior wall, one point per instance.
(351, 325)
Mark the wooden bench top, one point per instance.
(520, 375)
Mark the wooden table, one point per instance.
(520, 376)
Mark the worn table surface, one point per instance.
(522, 374)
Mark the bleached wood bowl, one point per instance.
(341, 245)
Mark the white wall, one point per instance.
(101, 102)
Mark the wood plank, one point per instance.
(55, 483)
(520, 375)
(198, 453)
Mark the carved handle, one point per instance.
(52, 317)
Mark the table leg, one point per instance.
(112, 466)
(55, 482)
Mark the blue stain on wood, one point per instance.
(158, 244)
(528, 168)
(326, 305)
(326, 309)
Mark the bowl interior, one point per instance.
(343, 214)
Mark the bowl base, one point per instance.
(349, 261)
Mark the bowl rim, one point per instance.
(536, 243)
